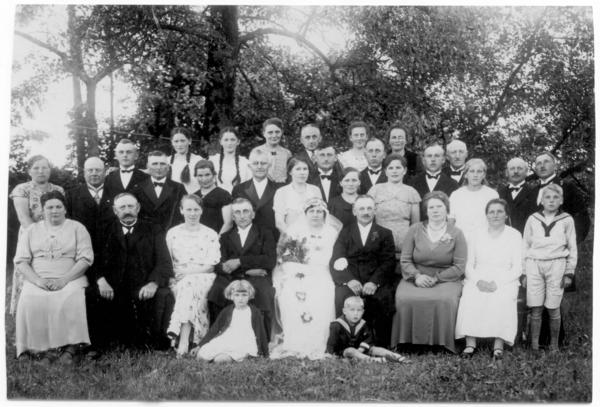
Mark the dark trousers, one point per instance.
(378, 313)
(214, 310)
(128, 320)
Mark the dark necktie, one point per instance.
(373, 172)
(437, 176)
(455, 173)
(128, 229)
(158, 184)
(514, 189)
(313, 157)
(323, 176)
(126, 171)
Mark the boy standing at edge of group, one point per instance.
(549, 260)
(350, 337)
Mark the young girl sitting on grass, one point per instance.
(238, 331)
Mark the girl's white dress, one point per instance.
(229, 172)
(491, 315)
(468, 208)
(179, 165)
(237, 342)
(190, 250)
(305, 295)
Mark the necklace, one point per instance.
(438, 229)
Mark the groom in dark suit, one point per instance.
(91, 204)
(363, 263)
(326, 177)
(260, 190)
(159, 196)
(127, 176)
(247, 252)
(519, 195)
(433, 178)
(129, 299)
(374, 173)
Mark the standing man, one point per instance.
(326, 178)
(374, 173)
(127, 176)
(159, 196)
(260, 190)
(91, 203)
(363, 264)
(519, 195)
(247, 252)
(129, 299)
(310, 137)
(457, 153)
(573, 200)
(433, 178)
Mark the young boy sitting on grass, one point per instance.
(549, 260)
(350, 337)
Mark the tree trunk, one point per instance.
(90, 119)
(221, 70)
(78, 132)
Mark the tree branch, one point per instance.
(42, 44)
(252, 90)
(186, 31)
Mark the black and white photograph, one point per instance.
(299, 203)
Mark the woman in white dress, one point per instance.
(467, 204)
(289, 200)
(194, 250)
(232, 169)
(183, 160)
(358, 132)
(305, 292)
(488, 306)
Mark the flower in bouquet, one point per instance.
(293, 250)
(306, 317)
(301, 296)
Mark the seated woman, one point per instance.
(341, 205)
(195, 250)
(216, 202)
(305, 291)
(488, 306)
(434, 256)
(53, 256)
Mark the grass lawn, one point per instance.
(519, 377)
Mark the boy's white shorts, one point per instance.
(543, 282)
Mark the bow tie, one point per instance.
(158, 184)
(323, 176)
(452, 173)
(126, 171)
(514, 189)
(433, 176)
(128, 227)
(273, 152)
(373, 172)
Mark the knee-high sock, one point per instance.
(536, 325)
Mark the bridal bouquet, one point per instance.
(293, 251)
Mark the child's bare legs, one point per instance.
(554, 328)
(536, 326)
(377, 351)
(184, 338)
(222, 358)
(352, 353)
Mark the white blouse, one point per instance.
(179, 165)
(229, 172)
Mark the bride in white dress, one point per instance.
(305, 291)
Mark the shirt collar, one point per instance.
(244, 231)
(260, 182)
(326, 173)
(519, 185)
(95, 189)
(432, 174)
(375, 169)
(548, 180)
(157, 180)
(128, 226)
(365, 228)
(132, 167)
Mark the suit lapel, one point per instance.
(267, 194)
(118, 231)
(252, 194)
(355, 234)
(236, 240)
(135, 235)
(87, 198)
(165, 193)
(250, 239)
(150, 192)
(420, 184)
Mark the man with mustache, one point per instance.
(363, 264)
(129, 300)
(519, 195)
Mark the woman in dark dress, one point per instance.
(216, 212)
(341, 205)
(398, 136)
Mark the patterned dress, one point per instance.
(30, 191)
(190, 250)
(393, 205)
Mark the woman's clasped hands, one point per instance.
(424, 281)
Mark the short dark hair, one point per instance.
(357, 124)
(374, 139)
(348, 170)
(35, 159)
(393, 157)
(295, 160)
(549, 154)
(500, 202)
(436, 195)
(277, 122)
(53, 195)
(323, 146)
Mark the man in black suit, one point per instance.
(456, 153)
(326, 178)
(91, 204)
(159, 196)
(260, 190)
(519, 195)
(374, 173)
(310, 137)
(127, 176)
(432, 179)
(247, 252)
(129, 299)
(363, 263)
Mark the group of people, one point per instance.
(315, 254)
